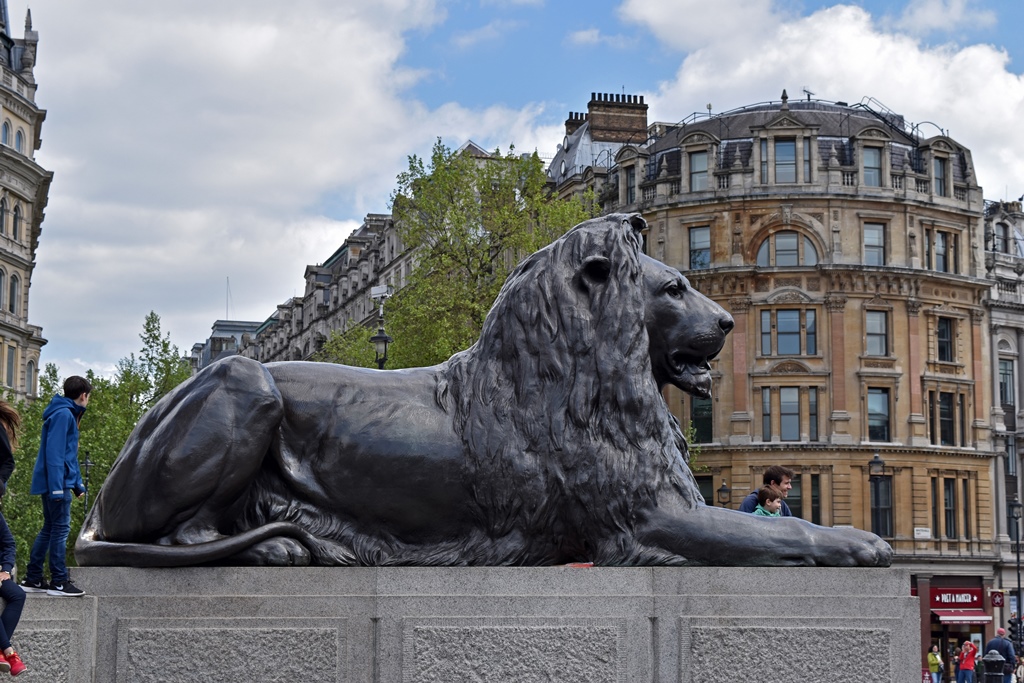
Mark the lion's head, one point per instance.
(559, 404)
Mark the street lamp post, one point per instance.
(380, 340)
(876, 474)
(724, 494)
(1015, 512)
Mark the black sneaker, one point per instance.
(39, 586)
(64, 589)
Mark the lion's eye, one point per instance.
(675, 290)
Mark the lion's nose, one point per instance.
(726, 323)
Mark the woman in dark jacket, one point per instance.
(11, 592)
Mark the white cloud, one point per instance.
(593, 37)
(495, 30)
(840, 53)
(193, 142)
(921, 17)
(693, 24)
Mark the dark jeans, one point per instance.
(52, 539)
(14, 596)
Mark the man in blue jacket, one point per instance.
(56, 477)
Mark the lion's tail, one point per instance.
(90, 552)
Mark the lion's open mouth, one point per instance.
(691, 375)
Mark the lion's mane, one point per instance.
(558, 409)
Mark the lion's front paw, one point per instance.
(280, 551)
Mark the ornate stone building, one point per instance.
(849, 247)
(336, 296)
(24, 187)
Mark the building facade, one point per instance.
(24, 188)
(849, 248)
(336, 295)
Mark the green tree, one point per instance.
(471, 219)
(115, 406)
(351, 347)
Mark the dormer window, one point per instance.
(698, 171)
(872, 167)
(939, 168)
(785, 161)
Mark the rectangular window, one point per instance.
(795, 498)
(946, 419)
(935, 507)
(874, 244)
(700, 248)
(786, 250)
(878, 414)
(949, 506)
(942, 252)
(1006, 382)
(811, 333)
(940, 177)
(11, 357)
(1011, 456)
(789, 413)
(706, 486)
(698, 171)
(881, 506)
(965, 505)
(787, 332)
(963, 418)
(764, 161)
(807, 160)
(944, 338)
(1000, 238)
(766, 414)
(877, 327)
(872, 166)
(766, 333)
(816, 499)
(785, 161)
(700, 418)
(812, 413)
(630, 184)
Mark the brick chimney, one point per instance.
(617, 118)
(574, 121)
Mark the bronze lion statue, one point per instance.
(546, 442)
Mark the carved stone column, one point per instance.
(740, 421)
(840, 419)
(918, 423)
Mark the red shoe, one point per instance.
(15, 663)
(5, 665)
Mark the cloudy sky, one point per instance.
(198, 143)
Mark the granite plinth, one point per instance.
(408, 625)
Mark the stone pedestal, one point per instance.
(476, 624)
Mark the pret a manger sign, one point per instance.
(956, 598)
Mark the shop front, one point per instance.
(957, 614)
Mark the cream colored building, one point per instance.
(24, 187)
(848, 244)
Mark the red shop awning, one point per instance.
(962, 616)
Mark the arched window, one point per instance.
(19, 142)
(30, 378)
(16, 224)
(3, 216)
(5, 135)
(786, 248)
(14, 294)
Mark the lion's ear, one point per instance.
(595, 272)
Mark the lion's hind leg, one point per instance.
(183, 475)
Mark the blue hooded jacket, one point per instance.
(56, 469)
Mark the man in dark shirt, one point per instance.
(781, 478)
(1004, 647)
